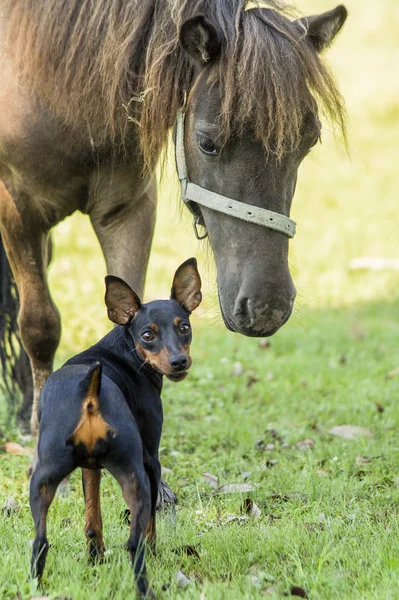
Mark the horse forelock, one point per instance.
(118, 65)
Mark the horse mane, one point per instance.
(118, 64)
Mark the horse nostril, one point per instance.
(179, 363)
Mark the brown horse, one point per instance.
(89, 91)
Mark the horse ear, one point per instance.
(186, 287)
(121, 301)
(322, 29)
(200, 40)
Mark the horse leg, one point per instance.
(26, 242)
(124, 221)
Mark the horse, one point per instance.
(89, 93)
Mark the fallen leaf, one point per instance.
(350, 432)
(251, 380)
(211, 480)
(305, 444)
(182, 580)
(237, 369)
(271, 518)
(255, 580)
(232, 488)
(233, 518)
(269, 591)
(295, 496)
(189, 550)
(362, 460)
(250, 508)
(10, 506)
(312, 527)
(296, 590)
(393, 373)
(322, 473)
(374, 263)
(264, 343)
(14, 448)
(358, 332)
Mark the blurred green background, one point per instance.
(329, 518)
(345, 204)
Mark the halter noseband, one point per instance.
(193, 194)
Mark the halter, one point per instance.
(193, 194)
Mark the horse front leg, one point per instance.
(26, 242)
(123, 218)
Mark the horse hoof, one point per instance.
(96, 554)
(167, 499)
(64, 489)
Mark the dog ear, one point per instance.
(186, 287)
(322, 29)
(121, 301)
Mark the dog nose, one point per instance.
(179, 363)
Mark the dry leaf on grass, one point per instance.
(211, 480)
(188, 550)
(182, 580)
(351, 432)
(233, 488)
(15, 448)
(362, 460)
(10, 506)
(251, 380)
(264, 343)
(227, 488)
(306, 444)
(250, 508)
(269, 591)
(296, 590)
(238, 369)
(232, 518)
(393, 373)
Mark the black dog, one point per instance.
(103, 409)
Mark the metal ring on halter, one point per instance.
(196, 222)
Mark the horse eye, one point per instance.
(184, 329)
(206, 145)
(147, 336)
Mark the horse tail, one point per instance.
(13, 358)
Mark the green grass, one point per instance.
(328, 523)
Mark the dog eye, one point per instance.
(184, 329)
(206, 145)
(148, 336)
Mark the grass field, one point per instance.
(329, 505)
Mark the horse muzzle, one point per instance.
(254, 318)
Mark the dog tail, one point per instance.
(90, 386)
(92, 426)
